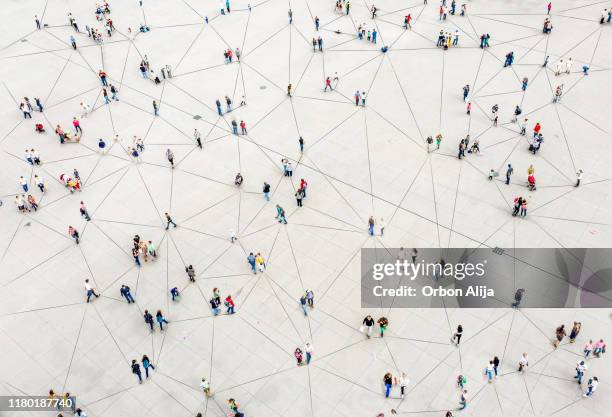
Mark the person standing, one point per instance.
(403, 383)
(383, 323)
(37, 21)
(136, 370)
(303, 304)
(146, 364)
(169, 221)
(229, 303)
(310, 298)
(198, 138)
(299, 356)
(371, 224)
(509, 172)
(581, 368)
(24, 184)
(575, 330)
(309, 350)
(266, 191)
(588, 349)
(559, 335)
(73, 42)
(155, 108)
(301, 143)
(490, 371)
(299, 196)
(251, 261)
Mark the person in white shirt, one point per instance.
(403, 382)
(523, 362)
(85, 109)
(205, 386)
(309, 350)
(592, 386)
(90, 290)
(568, 66)
(559, 67)
(40, 183)
(24, 184)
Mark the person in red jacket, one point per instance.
(229, 303)
(536, 129)
(243, 127)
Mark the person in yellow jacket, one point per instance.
(260, 262)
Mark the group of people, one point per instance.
(446, 40)
(143, 248)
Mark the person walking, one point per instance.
(125, 293)
(523, 362)
(578, 177)
(146, 364)
(280, 214)
(367, 325)
(170, 157)
(73, 233)
(388, 381)
(301, 143)
(463, 400)
(371, 224)
(84, 212)
(198, 138)
(159, 317)
(205, 387)
(148, 318)
(190, 273)
(169, 221)
(90, 290)
(136, 370)
(518, 296)
(457, 335)
(155, 108)
(591, 387)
